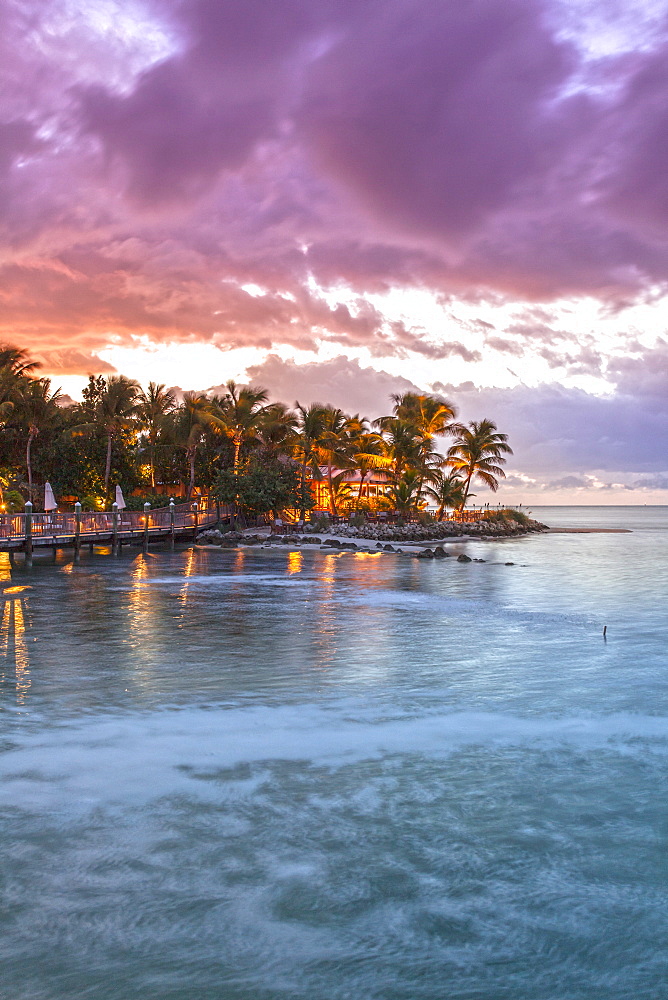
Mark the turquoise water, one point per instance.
(264, 774)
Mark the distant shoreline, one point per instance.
(590, 531)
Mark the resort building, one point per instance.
(349, 487)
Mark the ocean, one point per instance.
(271, 774)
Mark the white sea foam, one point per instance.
(143, 756)
(225, 581)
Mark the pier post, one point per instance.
(77, 531)
(195, 521)
(28, 541)
(114, 529)
(147, 508)
(171, 522)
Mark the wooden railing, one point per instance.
(195, 514)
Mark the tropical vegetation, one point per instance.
(258, 454)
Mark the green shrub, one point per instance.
(14, 502)
(92, 503)
(516, 515)
(425, 518)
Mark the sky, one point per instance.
(340, 201)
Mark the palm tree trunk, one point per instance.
(467, 487)
(191, 466)
(302, 512)
(363, 476)
(237, 449)
(151, 452)
(332, 505)
(29, 464)
(107, 468)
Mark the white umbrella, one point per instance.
(120, 499)
(49, 499)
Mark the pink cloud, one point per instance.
(418, 144)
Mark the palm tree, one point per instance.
(241, 411)
(334, 447)
(16, 369)
(154, 404)
(369, 452)
(38, 408)
(116, 412)
(404, 493)
(431, 415)
(447, 491)
(193, 418)
(405, 443)
(276, 430)
(310, 428)
(478, 452)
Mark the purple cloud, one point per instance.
(151, 174)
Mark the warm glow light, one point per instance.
(294, 563)
(188, 571)
(13, 644)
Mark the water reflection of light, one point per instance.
(138, 594)
(188, 571)
(239, 561)
(294, 563)
(189, 567)
(5, 567)
(324, 634)
(143, 634)
(13, 644)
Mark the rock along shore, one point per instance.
(411, 538)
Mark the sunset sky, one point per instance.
(342, 199)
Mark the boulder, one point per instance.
(440, 553)
(425, 554)
(463, 558)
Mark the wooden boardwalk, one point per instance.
(27, 532)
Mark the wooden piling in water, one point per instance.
(77, 531)
(147, 508)
(27, 545)
(114, 529)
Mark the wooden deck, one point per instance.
(26, 532)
